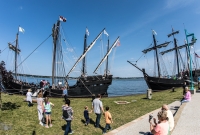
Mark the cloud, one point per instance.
(177, 3)
(70, 49)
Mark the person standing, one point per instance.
(98, 108)
(68, 109)
(47, 109)
(65, 93)
(29, 97)
(41, 84)
(170, 117)
(40, 108)
(86, 115)
(108, 119)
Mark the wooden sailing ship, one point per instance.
(157, 83)
(11, 80)
(86, 86)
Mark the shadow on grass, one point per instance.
(9, 106)
(34, 133)
(92, 122)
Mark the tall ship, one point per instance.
(163, 82)
(85, 86)
(11, 80)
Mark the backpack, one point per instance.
(65, 114)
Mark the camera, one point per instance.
(150, 117)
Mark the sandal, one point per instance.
(46, 126)
(50, 125)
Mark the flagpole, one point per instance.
(191, 77)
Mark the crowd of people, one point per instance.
(164, 125)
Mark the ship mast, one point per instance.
(84, 49)
(158, 64)
(84, 54)
(55, 35)
(16, 50)
(106, 56)
(155, 48)
(176, 49)
(107, 59)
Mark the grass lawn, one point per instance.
(24, 119)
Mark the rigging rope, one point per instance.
(34, 50)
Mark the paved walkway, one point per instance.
(141, 125)
(187, 120)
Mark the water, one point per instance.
(119, 87)
(123, 87)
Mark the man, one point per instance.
(65, 93)
(68, 117)
(97, 106)
(170, 117)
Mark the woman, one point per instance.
(162, 127)
(187, 96)
(40, 107)
(29, 97)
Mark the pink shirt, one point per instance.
(162, 128)
(188, 96)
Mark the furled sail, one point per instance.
(179, 47)
(109, 51)
(158, 46)
(83, 55)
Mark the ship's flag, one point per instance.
(63, 19)
(154, 32)
(118, 43)
(197, 55)
(105, 32)
(87, 32)
(21, 30)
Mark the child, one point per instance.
(47, 110)
(86, 115)
(108, 119)
(29, 97)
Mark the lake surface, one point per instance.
(119, 87)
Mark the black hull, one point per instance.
(85, 87)
(159, 84)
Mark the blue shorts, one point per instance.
(48, 113)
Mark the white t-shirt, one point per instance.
(97, 104)
(171, 120)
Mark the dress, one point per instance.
(39, 108)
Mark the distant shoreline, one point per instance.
(41, 76)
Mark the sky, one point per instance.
(131, 20)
